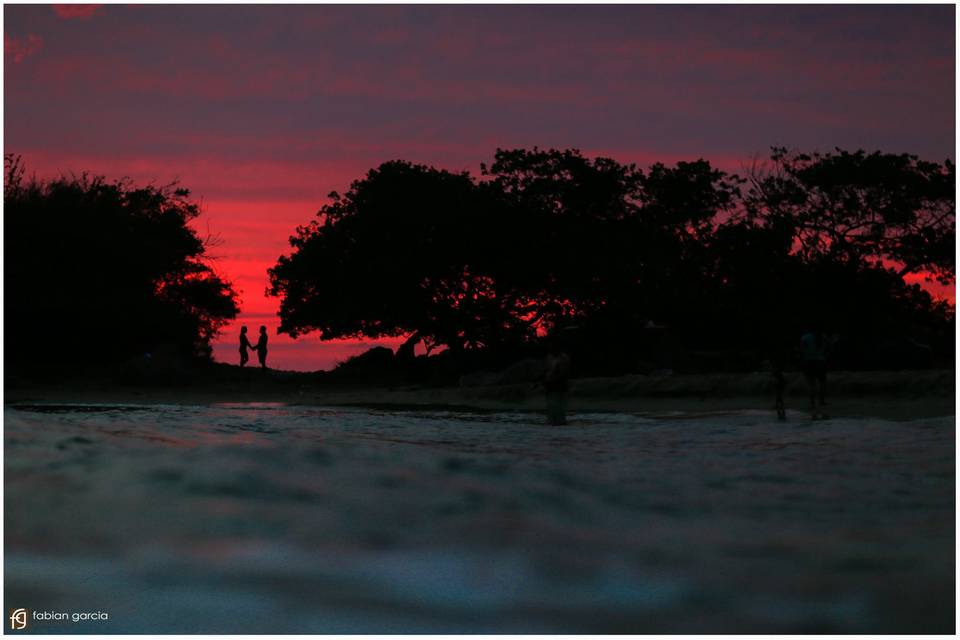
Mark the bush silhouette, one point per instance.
(99, 272)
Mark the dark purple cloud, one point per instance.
(73, 11)
(17, 49)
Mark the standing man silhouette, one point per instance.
(262, 348)
(813, 353)
(556, 382)
(244, 345)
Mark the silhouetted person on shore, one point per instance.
(813, 362)
(244, 345)
(556, 383)
(262, 348)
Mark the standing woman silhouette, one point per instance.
(244, 345)
(262, 348)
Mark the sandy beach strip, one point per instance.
(893, 395)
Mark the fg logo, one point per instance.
(18, 619)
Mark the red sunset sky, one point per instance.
(263, 110)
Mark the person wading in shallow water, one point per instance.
(556, 383)
(813, 360)
(244, 345)
(779, 384)
(777, 360)
(262, 348)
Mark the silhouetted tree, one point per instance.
(682, 208)
(550, 238)
(569, 217)
(615, 247)
(100, 271)
(875, 208)
(762, 293)
(839, 231)
(407, 250)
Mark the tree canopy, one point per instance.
(99, 271)
(877, 208)
(544, 239)
(406, 249)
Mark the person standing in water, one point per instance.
(779, 384)
(778, 359)
(556, 383)
(261, 348)
(813, 361)
(244, 345)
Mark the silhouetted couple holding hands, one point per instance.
(260, 347)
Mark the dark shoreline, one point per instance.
(889, 394)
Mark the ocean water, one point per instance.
(272, 518)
